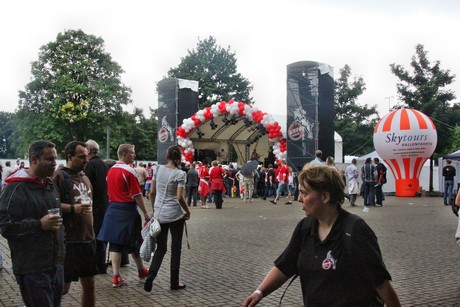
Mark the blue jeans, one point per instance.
(42, 289)
(448, 187)
(369, 196)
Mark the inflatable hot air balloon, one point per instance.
(405, 139)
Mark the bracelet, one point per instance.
(259, 293)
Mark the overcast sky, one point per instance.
(148, 37)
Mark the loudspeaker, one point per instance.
(177, 100)
(310, 112)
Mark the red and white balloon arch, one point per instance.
(231, 108)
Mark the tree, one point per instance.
(424, 90)
(215, 69)
(6, 134)
(353, 122)
(135, 128)
(75, 92)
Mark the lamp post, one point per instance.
(389, 100)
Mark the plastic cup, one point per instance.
(54, 212)
(86, 203)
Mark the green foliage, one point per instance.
(135, 129)
(6, 134)
(75, 92)
(424, 90)
(353, 122)
(216, 70)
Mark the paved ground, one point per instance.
(232, 249)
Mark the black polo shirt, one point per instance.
(330, 273)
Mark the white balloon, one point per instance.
(200, 115)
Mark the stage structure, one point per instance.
(310, 112)
(236, 127)
(177, 100)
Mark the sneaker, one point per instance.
(178, 287)
(273, 202)
(117, 281)
(288, 203)
(143, 273)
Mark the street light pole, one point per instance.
(389, 100)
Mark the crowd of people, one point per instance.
(58, 220)
(97, 203)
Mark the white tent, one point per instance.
(371, 155)
(338, 152)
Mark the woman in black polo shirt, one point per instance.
(335, 253)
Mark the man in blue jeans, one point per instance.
(35, 235)
(448, 172)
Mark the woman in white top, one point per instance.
(171, 210)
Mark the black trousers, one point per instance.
(192, 195)
(378, 194)
(177, 230)
(101, 247)
(218, 198)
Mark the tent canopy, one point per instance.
(372, 155)
(453, 156)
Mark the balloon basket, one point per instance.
(407, 187)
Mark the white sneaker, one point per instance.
(365, 209)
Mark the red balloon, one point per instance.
(181, 132)
(197, 122)
(222, 107)
(240, 110)
(207, 113)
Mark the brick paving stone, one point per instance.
(232, 249)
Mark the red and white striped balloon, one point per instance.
(405, 139)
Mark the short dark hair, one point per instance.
(376, 160)
(36, 148)
(323, 178)
(71, 147)
(174, 154)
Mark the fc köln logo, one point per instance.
(165, 132)
(163, 135)
(329, 262)
(296, 131)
